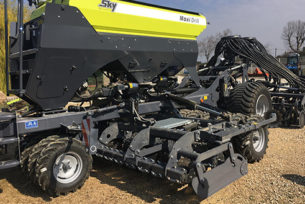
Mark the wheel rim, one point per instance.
(259, 139)
(67, 167)
(262, 105)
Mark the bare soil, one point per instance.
(278, 178)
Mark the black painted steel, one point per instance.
(20, 38)
(70, 51)
(6, 46)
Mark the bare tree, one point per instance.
(207, 45)
(224, 33)
(294, 35)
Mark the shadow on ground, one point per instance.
(295, 178)
(146, 187)
(22, 184)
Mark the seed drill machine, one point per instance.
(139, 116)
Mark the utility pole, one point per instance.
(275, 52)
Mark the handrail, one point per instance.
(20, 36)
(6, 46)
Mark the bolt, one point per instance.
(74, 67)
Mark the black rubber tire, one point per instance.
(35, 153)
(26, 152)
(244, 97)
(44, 166)
(301, 120)
(24, 159)
(244, 145)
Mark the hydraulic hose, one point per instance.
(252, 50)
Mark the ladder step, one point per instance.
(17, 91)
(7, 117)
(9, 140)
(25, 53)
(16, 73)
(9, 164)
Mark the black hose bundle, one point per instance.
(252, 50)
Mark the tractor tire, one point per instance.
(24, 159)
(35, 153)
(26, 152)
(63, 166)
(301, 120)
(253, 145)
(250, 98)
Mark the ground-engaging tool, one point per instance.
(139, 117)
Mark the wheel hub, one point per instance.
(259, 139)
(67, 167)
(262, 105)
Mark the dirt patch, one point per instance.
(278, 178)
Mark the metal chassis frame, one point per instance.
(214, 96)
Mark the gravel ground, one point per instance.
(278, 178)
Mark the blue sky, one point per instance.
(263, 19)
